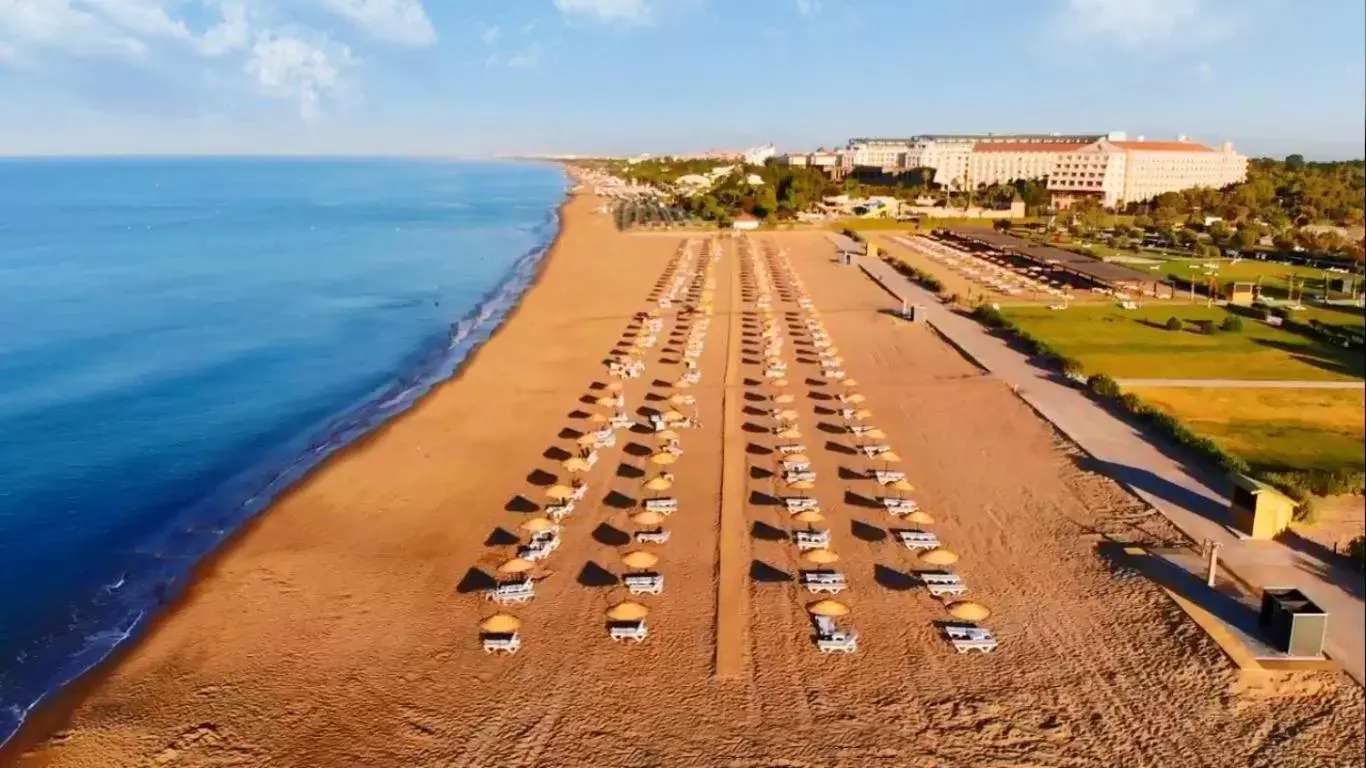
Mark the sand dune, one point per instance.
(341, 630)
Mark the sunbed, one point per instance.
(824, 580)
(635, 631)
(665, 505)
(504, 642)
(970, 637)
(941, 583)
(644, 583)
(519, 591)
(653, 536)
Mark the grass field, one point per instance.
(1274, 428)
(1135, 344)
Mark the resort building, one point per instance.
(1120, 172)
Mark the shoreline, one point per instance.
(49, 713)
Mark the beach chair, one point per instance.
(970, 637)
(824, 581)
(839, 641)
(940, 583)
(644, 583)
(541, 545)
(581, 489)
(501, 642)
(811, 539)
(665, 505)
(652, 536)
(635, 631)
(873, 450)
(775, 372)
(692, 376)
(833, 373)
(797, 504)
(688, 400)
(798, 475)
(796, 466)
(888, 476)
(559, 511)
(860, 429)
(507, 592)
(899, 506)
(607, 437)
(791, 449)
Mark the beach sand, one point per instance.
(342, 628)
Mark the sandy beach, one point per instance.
(342, 628)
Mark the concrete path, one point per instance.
(1193, 498)
(1243, 383)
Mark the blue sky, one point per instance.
(481, 77)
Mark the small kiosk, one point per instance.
(1293, 622)
(1258, 510)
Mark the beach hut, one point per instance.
(1295, 624)
(1258, 510)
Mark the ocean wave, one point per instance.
(161, 568)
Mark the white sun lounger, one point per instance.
(665, 505)
(941, 583)
(501, 642)
(798, 475)
(833, 373)
(888, 476)
(620, 420)
(824, 580)
(860, 429)
(635, 631)
(692, 377)
(654, 536)
(591, 457)
(873, 450)
(817, 539)
(644, 583)
(581, 490)
(839, 641)
(965, 637)
(796, 466)
(512, 592)
(688, 399)
(899, 506)
(774, 372)
(796, 504)
(791, 448)
(560, 511)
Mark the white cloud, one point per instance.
(147, 18)
(527, 58)
(230, 34)
(1205, 71)
(1140, 23)
(808, 7)
(62, 25)
(491, 34)
(607, 11)
(399, 21)
(289, 67)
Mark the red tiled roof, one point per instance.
(1029, 146)
(1163, 146)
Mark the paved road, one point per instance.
(1194, 499)
(1243, 383)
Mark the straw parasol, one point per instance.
(559, 492)
(679, 399)
(662, 458)
(538, 524)
(920, 517)
(787, 413)
(627, 611)
(891, 457)
(801, 485)
(821, 557)
(666, 435)
(614, 386)
(779, 382)
(681, 384)
(648, 517)
(848, 383)
(854, 398)
(586, 440)
(903, 486)
(809, 516)
(516, 565)
(500, 622)
(576, 464)
(784, 399)
(797, 457)
(875, 434)
(597, 418)
(939, 556)
(672, 415)
(967, 610)
(790, 434)
(659, 483)
(639, 559)
(606, 401)
(863, 413)
(832, 350)
(828, 608)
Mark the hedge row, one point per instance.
(926, 280)
(994, 318)
(1356, 551)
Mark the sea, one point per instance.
(181, 339)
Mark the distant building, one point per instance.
(1119, 172)
(758, 155)
(745, 221)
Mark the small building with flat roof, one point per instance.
(1258, 510)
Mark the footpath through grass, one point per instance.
(1275, 429)
(1135, 344)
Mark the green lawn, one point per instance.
(1275, 429)
(1135, 344)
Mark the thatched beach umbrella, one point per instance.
(808, 516)
(559, 492)
(648, 517)
(787, 413)
(500, 622)
(863, 413)
(659, 483)
(672, 415)
(586, 440)
(920, 517)
(614, 386)
(790, 434)
(780, 383)
(666, 435)
(627, 611)
(516, 565)
(784, 399)
(606, 401)
(797, 457)
(939, 556)
(875, 434)
(639, 559)
(679, 399)
(597, 418)
(539, 524)
(828, 608)
(854, 398)
(682, 384)
(801, 485)
(662, 458)
(821, 557)
(848, 383)
(968, 610)
(576, 464)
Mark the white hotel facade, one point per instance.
(1109, 167)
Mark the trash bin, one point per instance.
(1293, 623)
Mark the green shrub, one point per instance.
(1134, 404)
(1356, 551)
(1232, 324)
(989, 316)
(1101, 385)
(1174, 323)
(1072, 367)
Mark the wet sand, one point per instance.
(342, 629)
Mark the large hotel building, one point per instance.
(1109, 167)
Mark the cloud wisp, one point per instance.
(1143, 24)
